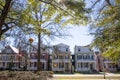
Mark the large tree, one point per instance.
(107, 29)
(41, 17)
(10, 14)
(48, 18)
(11, 10)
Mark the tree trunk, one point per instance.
(4, 14)
(39, 52)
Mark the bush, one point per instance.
(45, 73)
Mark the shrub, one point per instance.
(46, 73)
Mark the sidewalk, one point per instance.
(108, 76)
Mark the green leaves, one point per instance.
(117, 1)
(107, 35)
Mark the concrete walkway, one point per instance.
(108, 76)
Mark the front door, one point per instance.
(66, 67)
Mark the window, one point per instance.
(61, 57)
(61, 65)
(55, 57)
(35, 64)
(97, 53)
(3, 57)
(79, 57)
(31, 64)
(66, 57)
(79, 49)
(0, 57)
(43, 66)
(55, 65)
(92, 57)
(86, 65)
(84, 56)
(66, 49)
(32, 56)
(12, 57)
(3, 63)
(79, 65)
(7, 57)
(8, 51)
(88, 56)
(42, 56)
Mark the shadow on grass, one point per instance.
(61, 72)
(77, 73)
(88, 73)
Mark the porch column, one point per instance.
(89, 67)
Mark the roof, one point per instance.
(15, 50)
(83, 49)
(61, 45)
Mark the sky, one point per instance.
(79, 36)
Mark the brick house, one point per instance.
(11, 57)
(32, 60)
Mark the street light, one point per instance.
(30, 40)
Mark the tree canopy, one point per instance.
(107, 29)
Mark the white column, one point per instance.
(76, 66)
(52, 66)
(44, 65)
(89, 67)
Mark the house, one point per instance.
(11, 58)
(32, 59)
(104, 64)
(84, 59)
(110, 65)
(99, 64)
(61, 58)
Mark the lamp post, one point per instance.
(104, 70)
(30, 40)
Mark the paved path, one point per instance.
(109, 76)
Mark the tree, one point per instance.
(49, 18)
(11, 10)
(10, 13)
(107, 30)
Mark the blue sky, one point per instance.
(80, 36)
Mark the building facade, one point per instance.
(11, 58)
(110, 65)
(84, 59)
(32, 60)
(61, 58)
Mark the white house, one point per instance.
(61, 58)
(110, 65)
(84, 59)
